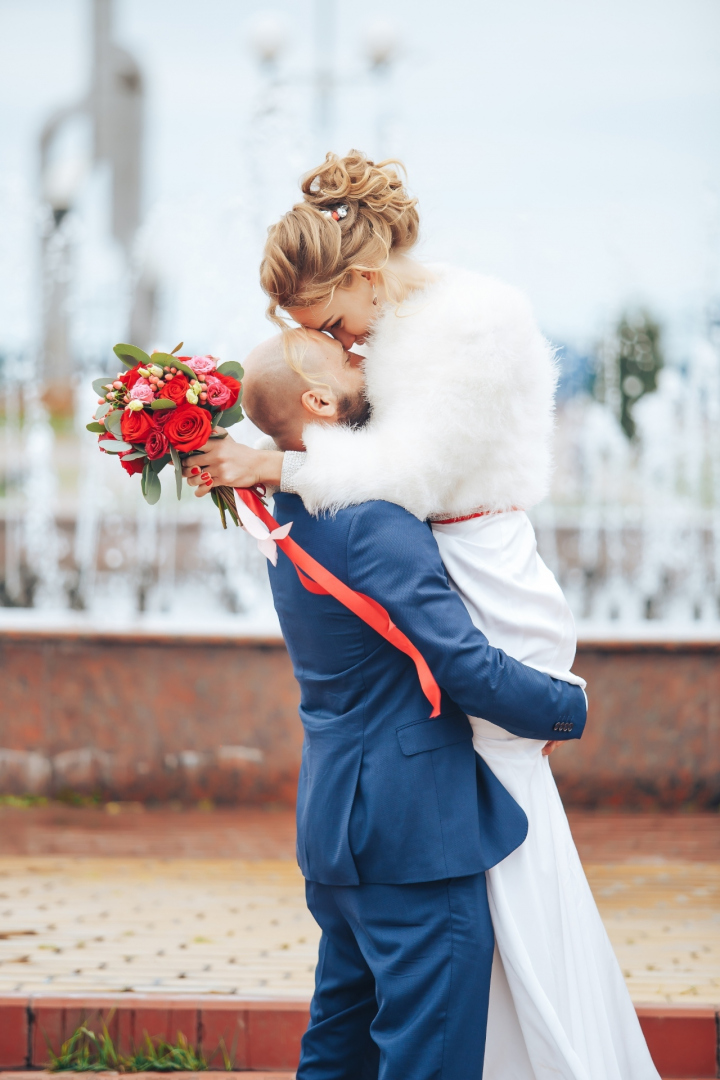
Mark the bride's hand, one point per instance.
(224, 461)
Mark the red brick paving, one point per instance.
(243, 833)
(209, 1075)
(13, 1032)
(250, 833)
(258, 1035)
(683, 1042)
(622, 837)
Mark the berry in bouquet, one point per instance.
(163, 408)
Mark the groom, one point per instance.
(398, 818)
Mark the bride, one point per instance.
(461, 385)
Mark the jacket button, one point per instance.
(557, 727)
(570, 726)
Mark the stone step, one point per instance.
(205, 1075)
(264, 1036)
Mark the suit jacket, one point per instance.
(387, 794)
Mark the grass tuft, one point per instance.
(89, 1051)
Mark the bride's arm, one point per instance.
(394, 460)
(342, 467)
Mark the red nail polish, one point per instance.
(195, 470)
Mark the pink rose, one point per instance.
(202, 365)
(218, 394)
(142, 391)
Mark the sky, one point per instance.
(572, 149)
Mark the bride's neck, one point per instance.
(404, 275)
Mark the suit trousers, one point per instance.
(402, 982)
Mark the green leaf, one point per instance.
(162, 403)
(131, 355)
(177, 348)
(178, 471)
(98, 428)
(168, 360)
(232, 368)
(220, 505)
(113, 421)
(103, 410)
(135, 455)
(159, 463)
(152, 489)
(100, 384)
(231, 416)
(116, 447)
(185, 369)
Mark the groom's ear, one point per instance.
(320, 403)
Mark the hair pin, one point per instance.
(336, 214)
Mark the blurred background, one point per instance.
(573, 150)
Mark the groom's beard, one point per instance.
(354, 411)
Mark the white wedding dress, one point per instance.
(559, 1007)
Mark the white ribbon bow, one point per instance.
(257, 528)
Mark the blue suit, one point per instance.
(397, 816)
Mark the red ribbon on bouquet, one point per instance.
(316, 579)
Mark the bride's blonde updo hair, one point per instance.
(309, 254)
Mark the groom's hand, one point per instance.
(550, 746)
(224, 461)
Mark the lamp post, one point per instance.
(381, 50)
(113, 106)
(267, 38)
(325, 35)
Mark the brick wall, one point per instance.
(159, 718)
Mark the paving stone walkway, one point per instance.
(226, 926)
(121, 898)
(188, 926)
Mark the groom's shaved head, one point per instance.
(271, 387)
(299, 377)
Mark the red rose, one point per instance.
(135, 466)
(176, 389)
(130, 377)
(187, 427)
(157, 444)
(233, 386)
(160, 416)
(136, 425)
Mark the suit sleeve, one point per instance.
(393, 558)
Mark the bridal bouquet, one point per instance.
(162, 408)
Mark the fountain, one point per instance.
(631, 528)
(184, 688)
